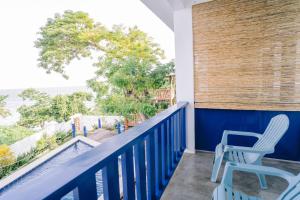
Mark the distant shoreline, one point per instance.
(43, 88)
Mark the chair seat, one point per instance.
(235, 156)
(223, 192)
(241, 157)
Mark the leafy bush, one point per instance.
(11, 134)
(61, 137)
(46, 142)
(6, 156)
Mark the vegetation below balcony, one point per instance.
(11, 134)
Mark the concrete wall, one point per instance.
(184, 68)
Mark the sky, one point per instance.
(21, 20)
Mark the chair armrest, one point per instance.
(241, 133)
(257, 169)
(228, 148)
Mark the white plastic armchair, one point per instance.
(265, 144)
(225, 190)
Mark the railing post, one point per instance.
(178, 151)
(169, 164)
(175, 137)
(184, 127)
(182, 136)
(163, 154)
(172, 144)
(158, 161)
(150, 148)
(128, 175)
(87, 187)
(140, 170)
(111, 190)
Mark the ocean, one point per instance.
(14, 101)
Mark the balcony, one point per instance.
(136, 164)
(146, 162)
(237, 66)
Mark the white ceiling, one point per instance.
(164, 8)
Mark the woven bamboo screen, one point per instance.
(247, 54)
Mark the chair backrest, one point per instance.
(293, 191)
(273, 133)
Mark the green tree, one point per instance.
(44, 108)
(64, 106)
(4, 112)
(39, 110)
(66, 37)
(128, 64)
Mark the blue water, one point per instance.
(54, 162)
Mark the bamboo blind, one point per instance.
(247, 54)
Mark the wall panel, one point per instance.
(210, 124)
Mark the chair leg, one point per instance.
(216, 168)
(262, 179)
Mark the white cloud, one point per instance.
(20, 20)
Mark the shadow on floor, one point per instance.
(191, 179)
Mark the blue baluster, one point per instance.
(85, 132)
(128, 175)
(184, 127)
(168, 148)
(111, 188)
(157, 161)
(172, 144)
(178, 138)
(73, 130)
(118, 127)
(99, 123)
(163, 154)
(140, 170)
(87, 188)
(150, 148)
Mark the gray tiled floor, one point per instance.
(191, 179)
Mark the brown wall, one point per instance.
(247, 54)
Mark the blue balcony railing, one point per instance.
(149, 154)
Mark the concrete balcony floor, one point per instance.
(191, 179)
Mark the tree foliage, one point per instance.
(38, 111)
(64, 106)
(4, 112)
(11, 134)
(66, 37)
(44, 108)
(128, 64)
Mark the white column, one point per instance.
(185, 68)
